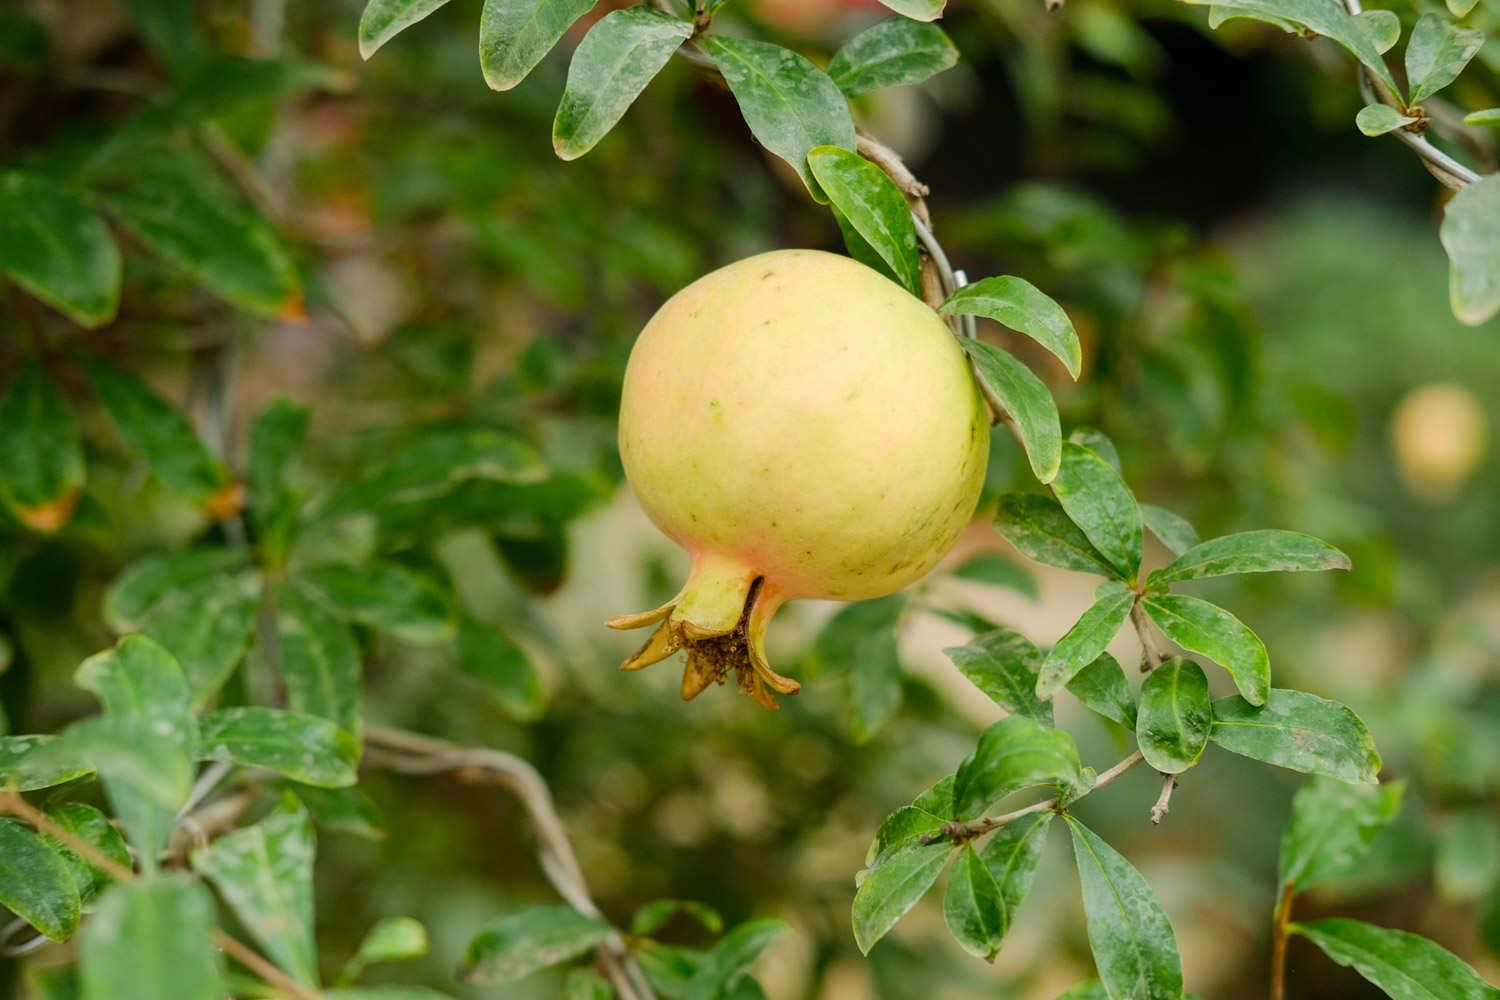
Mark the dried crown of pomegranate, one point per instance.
(804, 427)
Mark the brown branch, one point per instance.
(1152, 655)
(1164, 800)
(1278, 940)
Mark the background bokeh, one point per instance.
(1263, 303)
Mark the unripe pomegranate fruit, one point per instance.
(804, 427)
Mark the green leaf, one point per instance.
(264, 872)
(1436, 53)
(384, 596)
(145, 774)
(340, 810)
(837, 643)
(1325, 17)
(158, 432)
(91, 826)
(1132, 940)
(433, 467)
(610, 68)
(893, 887)
(207, 626)
(1039, 529)
(1487, 116)
(1089, 989)
(514, 35)
(1471, 235)
(494, 659)
(1173, 720)
(149, 939)
(875, 691)
(921, 10)
(791, 106)
(1378, 119)
(654, 915)
(893, 53)
(274, 442)
(1021, 306)
(172, 29)
(723, 968)
(1201, 627)
(29, 764)
(1467, 862)
(516, 945)
(1404, 966)
(41, 451)
(56, 248)
(872, 204)
(582, 984)
(1383, 27)
(176, 203)
(384, 993)
(1331, 828)
(986, 888)
(1300, 731)
(1003, 664)
(1099, 443)
(1025, 398)
(147, 583)
(303, 747)
(140, 681)
(1102, 687)
(927, 814)
(1251, 552)
(1098, 501)
(383, 20)
(36, 884)
(1015, 753)
(319, 660)
(997, 570)
(1085, 641)
(392, 939)
(1170, 529)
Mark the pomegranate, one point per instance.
(803, 427)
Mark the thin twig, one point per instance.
(413, 753)
(1278, 940)
(1164, 800)
(1152, 655)
(962, 832)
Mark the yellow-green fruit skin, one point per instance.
(798, 416)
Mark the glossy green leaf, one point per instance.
(1486, 116)
(207, 626)
(1039, 529)
(892, 887)
(1003, 664)
(384, 596)
(1331, 828)
(41, 451)
(145, 774)
(1015, 753)
(892, 53)
(1102, 687)
(1252, 552)
(158, 432)
(177, 204)
(986, 888)
(319, 660)
(1404, 966)
(36, 884)
(27, 762)
(1437, 51)
(149, 939)
(1300, 731)
(1085, 641)
(392, 939)
(1205, 628)
(514, 35)
(57, 249)
(870, 201)
(654, 916)
(1383, 27)
(1101, 505)
(140, 680)
(791, 106)
(516, 945)
(610, 68)
(927, 814)
(1174, 716)
(921, 10)
(93, 827)
(382, 20)
(1172, 530)
(1471, 235)
(303, 747)
(264, 872)
(723, 968)
(1021, 306)
(1132, 940)
(139, 591)
(1467, 859)
(999, 571)
(1378, 119)
(1025, 398)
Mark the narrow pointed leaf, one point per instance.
(1437, 51)
(57, 249)
(1252, 552)
(1332, 826)
(1102, 687)
(1085, 641)
(1404, 966)
(892, 53)
(41, 451)
(516, 945)
(302, 747)
(514, 35)
(382, 20)
(1040, 529)
(654, 916)
(1015, 753)
(893, 887)
(1003, 664)
(149, 939)
(1174, 716)
(610, 68)
(1025, 398)
(392, 939)
(1172, 530)
(1206, 628)
(319, 659)
(1018, 304)
(927, 814)
(1300, 731)
(972, 906)
(36, 884)
(1098, 501)
(875, 691)
(723, 968)
(871, 203)
(1471, 235)
(92, 827)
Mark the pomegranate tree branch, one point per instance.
(1152, 655)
